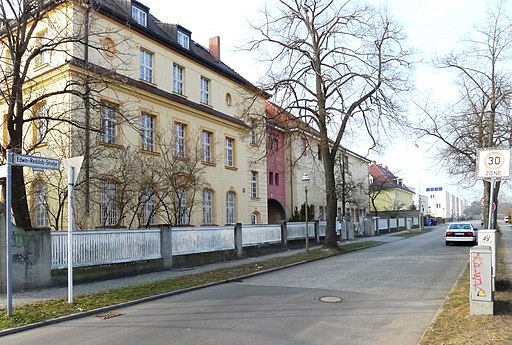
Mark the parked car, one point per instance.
(507, 219)
(461, 232)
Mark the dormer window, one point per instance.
(183, 39)
(140, 15)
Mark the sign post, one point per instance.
(73, 165)
(18, 160)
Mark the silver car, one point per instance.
(461, 232)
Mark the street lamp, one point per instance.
(306, 179)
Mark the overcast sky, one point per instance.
(433, 27)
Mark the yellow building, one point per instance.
(388, 192)
(166, 128)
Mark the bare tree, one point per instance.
(481, 118)
(332, 64)
(35, 35)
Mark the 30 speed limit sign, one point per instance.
(493, 164)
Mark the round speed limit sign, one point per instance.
(493, 163)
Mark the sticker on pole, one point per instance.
(493, 164)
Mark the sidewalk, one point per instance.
(32, 296)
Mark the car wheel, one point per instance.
(447, 243)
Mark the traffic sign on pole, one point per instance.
(493, 163)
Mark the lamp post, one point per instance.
(306, 179)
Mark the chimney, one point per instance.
(215, 47)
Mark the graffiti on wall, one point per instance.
(19, 244)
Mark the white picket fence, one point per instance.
(100, 247)
(202, 240)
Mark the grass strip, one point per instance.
(413, 232)
(50, 309)
(453, 325)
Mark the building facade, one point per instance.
(162, 122)
(387, 191)
(292, 152)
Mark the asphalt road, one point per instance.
(383, 295)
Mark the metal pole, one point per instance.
(307, 225)
(71, 171)
(491, 202)
(8, 225)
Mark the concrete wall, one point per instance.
(30, 258)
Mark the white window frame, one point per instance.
(108, 124)
(43, 57)
(207, 146)
(254, 184)
(108, 203)
(183, 218)
(183, 39)
(41, 218)
(140, 16)
(178, 73)
(205, 90)
(148, 206)
(146, 65)
(147, 132)
(230, 207)
(254, 218)
(230, 152)
(42, 123)
(207, 206)
(179, 139)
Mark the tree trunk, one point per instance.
(331, 239)
(487, 193)
(19, 201)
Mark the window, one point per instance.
(304, 147)
(254, 218)
(205, 90)
(41, 40)
(182, 216)
(183, 39)
(254, 184)
(179, 138)
(108, 203)
(140, 16)
(207, 206)
(108, 124)
(40, 205)
(319, 151)
(8, 63)
(276, 179)
(230, 208)
(230, 147)
(146, 66)
(229, 99)
(270, 178)
(253, 134)
(148, 132)
(321, 212)
(42, 123)
(207, 146)
(177, 79)
(148, 204)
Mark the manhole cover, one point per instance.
(330, 299)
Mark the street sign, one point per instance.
(493, 163)
(36, 162)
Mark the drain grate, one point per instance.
(108, 315)
(330, 299)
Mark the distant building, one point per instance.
(442, 204)
(387, 191)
